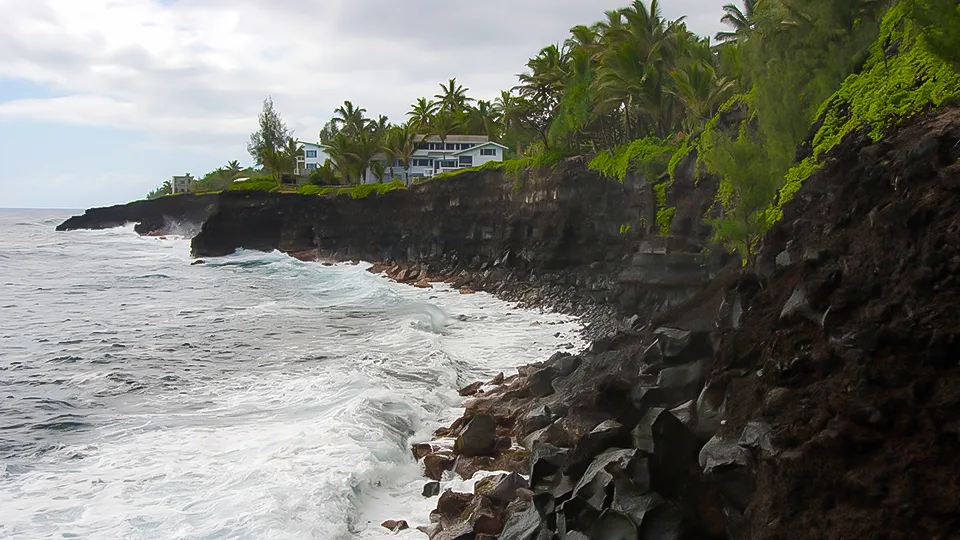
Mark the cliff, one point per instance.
(155, 216)
(563, 238)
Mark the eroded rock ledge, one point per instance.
(158, 216)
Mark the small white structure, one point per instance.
(181, 184)
(434, 157)
(312, 157)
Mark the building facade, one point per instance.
(312, 157)
(181, 184)
(433, 157)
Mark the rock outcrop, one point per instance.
(164, 215)
(754, 411)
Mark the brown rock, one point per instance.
(484, 516)
(420, 450)
(467, 291)
(478, 438)
(452, 504)
(498, 379)
(395, 525)
(471, 389)
(198, 261)
(423, 284)
(436, 463)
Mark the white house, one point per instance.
(433, 157)
(181, 184)
(313, 156)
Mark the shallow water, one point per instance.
(256, 396)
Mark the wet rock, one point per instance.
(435, 464)
(536, 419)
(725, 462)
(467, 291)
(606, 435)
(613, 525)
(541, 382)
(523, 524)
(672, 341)
(498, 379)
(633, 500)
(395, 525)
(423, 284)
(501, 489)
(686, 413)
(420, 450)
(198, 261)
(545, 460)
(452, 504)
(431, 489)
(647, 397)
(471, 389)
(478, 437)
(592, 487)
(484, 516)
(431, 530)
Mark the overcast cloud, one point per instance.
(190, 75)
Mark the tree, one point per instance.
(271, 136)
(165, 189)
(400, 145)
(443, 125)
(324, 175)
(420, 114)
(453, 97)
(350, 119)
(234, 166)
(742, 21)
(748, 187)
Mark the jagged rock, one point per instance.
(670, 445)
(420, 450)
(613, 525)
(672, 341)
(711, 408)
(536, 419)
(665, 522)
(757, 436)
(431, 489)
(435, 464)
(452, 504)
(522, 525)
(686, 413)
(545, 459)
(478, 437)
(541, 382)
(198, 261)
(606, 435)
(592, 487)
(784, 259)
(470, 389)
(431, 530)
(725, 462)
(498, 379)
(484, 516)
(633, 500)
(798, 304)
(681, 377)
(652, 356)
(719, 452)
(575, 515)
(501, 489)
(395, 525)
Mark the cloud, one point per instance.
(194, 72)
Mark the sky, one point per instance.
(103, 100)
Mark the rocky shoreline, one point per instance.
(813, 396)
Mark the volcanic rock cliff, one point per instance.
(151, 216)
(816, 396)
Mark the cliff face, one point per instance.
(155, 216)
(566, 239)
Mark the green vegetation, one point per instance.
(649, 156)
(361, 191)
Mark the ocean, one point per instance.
(255, 396)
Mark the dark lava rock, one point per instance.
(545, 460)
(613, 525)
(671, 447)
(541, 382)
(420, 450)
(592, 487)
(501, 490)
(470, 389)
(478, 437)
(435, 464)
(538, 418)
(484, 516)
(431, 489)
(452, 504)
(606, 435)
(522, 525)
(395, 525)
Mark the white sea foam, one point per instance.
(255, 396)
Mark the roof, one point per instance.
(488, 143)
(453, 138)
(307, 143)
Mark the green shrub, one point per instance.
(649, 156)
(361, 191)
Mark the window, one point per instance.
(436, 146)
(312, 165)
(488, 151)
(421, 163)
(449, 164)
(424, 146)
(467, 146)
(466, 161)
(451, 146)
(311, 153)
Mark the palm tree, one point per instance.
(234, 166)
(290, 152)
(453, 97)
(324, 175)
(443, 125)
(401, 144)
(742, 21)
(350, 119)
(378, 170)
(421, 112)
(484, 119)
